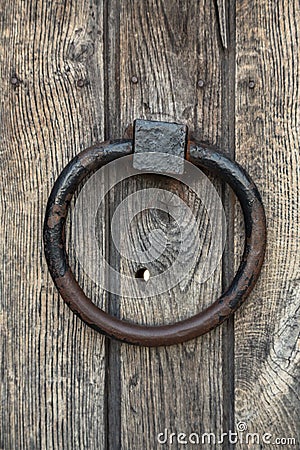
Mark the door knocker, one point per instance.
(150, 134)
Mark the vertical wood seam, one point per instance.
(112, 406)
(228, 144)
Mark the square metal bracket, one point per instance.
(166, 138)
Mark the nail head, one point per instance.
(80, 83)
(14, 81)
(134, 79)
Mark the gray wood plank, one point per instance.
(53, 367)
(267, 139)
(165, 49)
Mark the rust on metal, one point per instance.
(245, 278)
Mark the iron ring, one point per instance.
(244, 280)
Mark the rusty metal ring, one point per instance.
(54, 240)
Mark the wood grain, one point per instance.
(53, 367)
(168, 47)
(267, 144)
(222, 11)
(74, 73)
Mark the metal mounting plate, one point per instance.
(159, 137)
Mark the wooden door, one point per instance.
(77, 73)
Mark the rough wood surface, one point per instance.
(267, 144)
(74, 73)
(53, 366)
(169, 47)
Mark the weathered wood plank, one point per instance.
(267, 144)
(65, 76)
(52, 366)
(165, 49)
